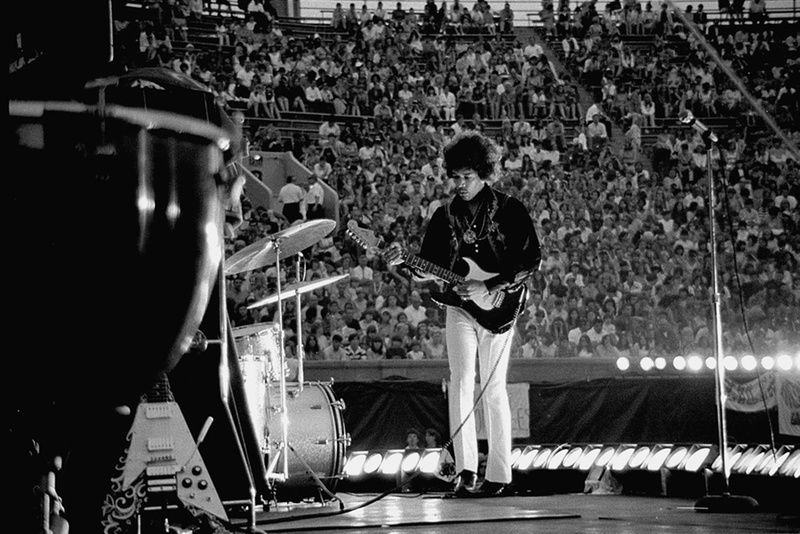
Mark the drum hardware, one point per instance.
(199, 342)
(343, 439)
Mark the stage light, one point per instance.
(730, 362)
(656, 460)
(676, 457)
(541, 458)
(646, 363)
(410, 462)
(623, 363)
(639, 456)
(660, 363)
(784, 362)
(391, 462)
(355, 464)
(711, 362)
(557, 456)
(698, 457)
(751, 459)
(768, 363)
(372, 463)
(797, 362)
(734, 453)
(430, 461)
(791, 467)
(605, 456)
(679, 363)
(622, 457)
(516, 452)
(773, 462)
(526, 458)
(694, 362)
(572, 458)
(749, 362)
(588, 458)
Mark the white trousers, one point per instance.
(466, 339)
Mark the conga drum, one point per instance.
(115, 248)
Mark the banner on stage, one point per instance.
(748, 396)
(788, 396)
(520, 411)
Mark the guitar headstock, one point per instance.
(366, 239)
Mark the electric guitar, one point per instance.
(162, 466)
(495, 312)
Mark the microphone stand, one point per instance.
(724, 502)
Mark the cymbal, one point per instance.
(300, 288)
(291, 240)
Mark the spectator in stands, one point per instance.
(596, 133)
(506, 19)
(335, 351)
(758, 10)
(354, 350)
(291, 197)
(415, 311)
(396, 351)
(314, 198)
(362, 271)
(338, 22)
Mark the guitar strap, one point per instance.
(454, 227)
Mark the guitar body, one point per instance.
(162, 447)
(162, 466)
(495, 312)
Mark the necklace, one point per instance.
(470, 236)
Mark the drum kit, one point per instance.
(302, 440)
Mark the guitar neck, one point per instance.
(431, 268)
(160, 391)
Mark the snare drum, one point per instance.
(316, 435)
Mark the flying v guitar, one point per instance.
(495, 312)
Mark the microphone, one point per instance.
(687, 118)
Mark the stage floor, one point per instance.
(553, 514)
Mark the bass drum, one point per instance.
(317, 439)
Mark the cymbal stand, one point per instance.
(282, 448)
(298, 309)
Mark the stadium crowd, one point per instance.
(624, 226)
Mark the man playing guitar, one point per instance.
(493, 235)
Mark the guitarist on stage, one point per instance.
(496, 232)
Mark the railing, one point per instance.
(774, 16)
